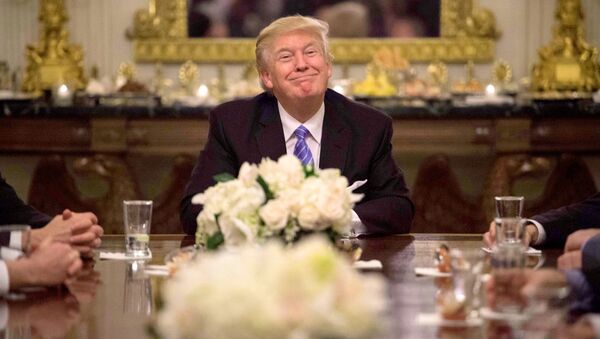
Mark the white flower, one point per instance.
(284, 174)
(235, 231)
(248, 174)
(309, 218)
(309, 291)
(240, 211)
(275, 214)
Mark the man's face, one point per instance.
(296, 67)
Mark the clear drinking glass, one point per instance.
(462, 301)
(137, 218)
(507, 207)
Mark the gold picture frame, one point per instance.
(468, 32)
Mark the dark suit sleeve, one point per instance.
(386, 207)
(590, 255)
(14, 211)
(561, 222)
(216, 158)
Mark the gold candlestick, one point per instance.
(568, 62)
(53, 60)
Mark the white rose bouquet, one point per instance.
(308, 291)
(281, 199)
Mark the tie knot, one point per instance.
(301, 132)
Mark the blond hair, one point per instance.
(286, 25)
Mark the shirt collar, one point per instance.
(314, 125)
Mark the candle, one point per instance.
(63, 96)
(490, 90)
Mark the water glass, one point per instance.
(507, 207)
(463, 298)
(137, 218)
(510, 231)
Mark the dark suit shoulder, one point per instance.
(357, 111)
(243, 109)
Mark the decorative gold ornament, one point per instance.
(467, 32)
(188, 76)
(568, 63)
(438, 73)
(501, 73)
(470, 84)
(126, 71)
(53, 61)
(160, 83)
(376, 83)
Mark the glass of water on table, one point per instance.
(137, 218)
(508, 218)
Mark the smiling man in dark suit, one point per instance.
(299, 115)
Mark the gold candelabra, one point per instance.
(568, 62)
(53, 60)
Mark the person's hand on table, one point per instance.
(569, 260)
(80, 230)
(489, 237)
(51, 263)
(576, 239)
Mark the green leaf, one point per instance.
(309, 171)
(214, 241)
(223, 177)
(265, 188)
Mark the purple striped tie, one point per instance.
(301, 149)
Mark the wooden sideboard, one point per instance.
(514, 140)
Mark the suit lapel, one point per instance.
(269, 137)
(336, 137)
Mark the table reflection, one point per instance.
(137, 295)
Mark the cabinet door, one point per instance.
(167, 136)
(44, 135)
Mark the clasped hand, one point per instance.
(80, 230)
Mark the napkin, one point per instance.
(157, 270)
(530, 251)
(436, 320)
(431, 272)
(122, 256)
(368, 265)
(490, 314)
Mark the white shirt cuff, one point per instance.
(4, 279)
(356, 226)
(16, 240)
(541, 238)
(594, 320)
(7, 253)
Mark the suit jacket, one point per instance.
(356, 139)
(14, 211)
(561, 222)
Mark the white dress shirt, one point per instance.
(314, 125)
(541, 238)
(12, 252)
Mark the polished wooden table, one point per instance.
(116, 301)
